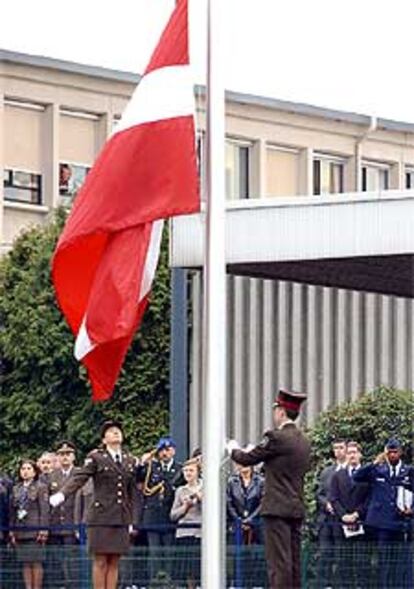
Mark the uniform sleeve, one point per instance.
(178, 509)
(230, 507)
(264, 451)
(140, 472)
(365, 474)
(80, 477)
(322, 491)
(333, 497)
(44, 511)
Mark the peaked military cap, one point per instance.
(393, 444)
(111, 423)
(65, 446)
(289, 400)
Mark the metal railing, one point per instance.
(342, 564)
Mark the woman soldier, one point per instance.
(29, 520)
(114, 499)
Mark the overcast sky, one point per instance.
(354, 55)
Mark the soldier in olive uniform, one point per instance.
(161, 475)
(62, 519)
(29, 521)
(111, 513)
(285, 452)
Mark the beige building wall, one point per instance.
(52, 112)
(79, 138)
(282, 172)
(23, 137)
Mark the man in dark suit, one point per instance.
(349, 501)
(389, 515)
(285, 452)
(326, 519)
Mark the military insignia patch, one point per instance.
(265, 441)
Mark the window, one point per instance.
(22, 186)
(237, 169)
(282, 171)
(71, 178)
(409, 178)
(375, 177)
(328, 175)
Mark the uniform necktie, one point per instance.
(117, 459)
(393, 472)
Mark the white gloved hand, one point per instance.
(232, 445)
(56, 499)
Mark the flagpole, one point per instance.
(214, 400)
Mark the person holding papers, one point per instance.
(349, 501)
(390, 513)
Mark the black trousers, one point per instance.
(282, 550)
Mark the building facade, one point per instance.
(333, 340)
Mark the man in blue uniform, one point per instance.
(160, 475)
(389, 514)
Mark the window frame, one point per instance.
(381, 167)
(8, 183)
(408, 172)
(319, 157)
(70, 195)
(248, 145)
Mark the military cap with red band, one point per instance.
(289, 400)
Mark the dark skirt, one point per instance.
(30, 551)
(108, 540)
(188, 565)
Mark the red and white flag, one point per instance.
(106, 257)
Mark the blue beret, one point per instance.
(165, 442)
(393, 444)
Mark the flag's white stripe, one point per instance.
(151, 260)
(83, 344)
(161, 94)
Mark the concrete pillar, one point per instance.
(258, 169)
(397, 176)
(306, 171)
(50, 156)
(104, 130)
(357, 168)
(352, 172)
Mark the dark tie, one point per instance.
(117, 459)
(393, 472)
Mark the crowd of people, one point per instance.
(361, 504)
(154, 501)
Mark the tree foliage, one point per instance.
(44, 394)
(370, 420)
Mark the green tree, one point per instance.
(44, 393)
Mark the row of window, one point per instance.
(26, 187)
(328, 176)
(283, 173)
